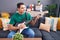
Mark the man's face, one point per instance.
(22, 8)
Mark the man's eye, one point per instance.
(22, 8)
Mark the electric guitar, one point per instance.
(40, 14)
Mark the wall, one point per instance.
(58, 7)
(10, 5)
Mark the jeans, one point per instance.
(26, 32)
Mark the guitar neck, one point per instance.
(27, 22)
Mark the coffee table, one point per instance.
(23, 39)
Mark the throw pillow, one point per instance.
(53, 23)
(47, 20)
(1, 24)
(5, 22)
(58, 24)
(45, 27)
(5, 15)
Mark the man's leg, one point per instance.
(10, 35)
(28, 33)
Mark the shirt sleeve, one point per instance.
(29, 16)
(12, 20)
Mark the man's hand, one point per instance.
(9, 27)
(37, 17)
(35, 20)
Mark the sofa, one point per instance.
(44, 35)
(52, 35)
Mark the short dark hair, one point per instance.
(19, 4)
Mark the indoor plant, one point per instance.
(52, 9)
(18, 36)
(38, 1)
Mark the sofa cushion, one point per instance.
(58, 25)
(3, 34)
(37, 32)
(5, 22)
(53, 22)
(55, 35)
(54, 26)
(45, 27)
(46, 35)
(58, 33)
(1, 24)
(5, 14)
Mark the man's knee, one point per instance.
(32, 34)
(10, 35)
(29, 33)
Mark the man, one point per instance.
(19, 17)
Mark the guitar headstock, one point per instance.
(36, 13)
(45, 12)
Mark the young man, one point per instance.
(19, 17)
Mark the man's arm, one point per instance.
(33, 21)
(11, 23)
(11, 27)
(21, 26)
